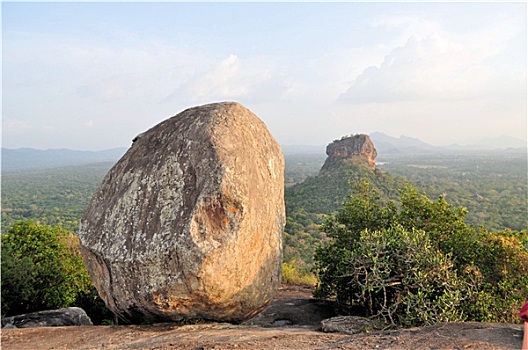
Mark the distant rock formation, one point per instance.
(356, 149)
(188, 224)
(70, 316)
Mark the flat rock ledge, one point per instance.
(490, 336)
(71, 316)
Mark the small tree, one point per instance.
(41, 269)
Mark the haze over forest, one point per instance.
(91, 76)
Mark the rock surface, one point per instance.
(166, 336)
(188, 224)
(357, 149)
(71, 316)
(347, 325)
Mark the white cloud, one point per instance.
(254, 79)
(100, 87)
(413, 70)
(444, 83)
(13, 125)
(438, 64)
(221, 81)
(429, 67)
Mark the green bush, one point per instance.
(499, 274)
(416, 262)
(42, 269)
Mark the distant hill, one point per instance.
(404, 145)
(490, 184)
(325, 192)
(386, 144)
(495, 143)
(29, 158)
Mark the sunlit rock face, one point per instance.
(357, 149)
(188, 224)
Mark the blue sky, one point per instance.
(93, 75)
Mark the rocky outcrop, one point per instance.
(188, 223)
(357, 149)
(71, 316)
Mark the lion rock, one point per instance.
(354, 149)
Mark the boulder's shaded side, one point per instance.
(70, 316)
(188, 224)
(357, 149)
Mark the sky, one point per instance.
(91, 76)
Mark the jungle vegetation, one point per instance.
(416, 262)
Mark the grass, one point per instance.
(295, 274)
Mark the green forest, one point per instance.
(493, 188)
(56, 196)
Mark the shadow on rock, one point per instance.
(294, 306)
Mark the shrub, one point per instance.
(417, 262)
(396, 275)
(42, 269)
(499, 273)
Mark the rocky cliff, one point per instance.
(188, 224)
(356, 149)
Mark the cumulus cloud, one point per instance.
(436, 64)
(252, 79)
(424, 68)
(13, 125)
(221, 80)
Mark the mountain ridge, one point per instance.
(386, 144)
(30, 158)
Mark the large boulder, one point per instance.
(188, 224)
(70, 316)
